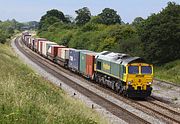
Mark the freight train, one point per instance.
(127, 75)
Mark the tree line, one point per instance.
(156, 39)
(9, 27)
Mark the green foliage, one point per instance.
(51, 17)
(137, 21)
(83, 16)
(155, 39)
(2, 37)
(160, 35)
(109, 17)
(25, 97)
(7, 29)
(69, 19)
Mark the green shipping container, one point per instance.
(82, 67)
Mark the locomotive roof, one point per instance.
(119, 58)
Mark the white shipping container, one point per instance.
(46, 46)
(65, 53)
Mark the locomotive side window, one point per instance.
(99, 65)
(133, 70)
(146, 70)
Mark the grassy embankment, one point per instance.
(169, 72)
(26, 97)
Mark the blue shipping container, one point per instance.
(74, 59)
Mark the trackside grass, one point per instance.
(26, 98)
(169, 72)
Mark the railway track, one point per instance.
(111, 107)
(150, 106)
(172, 116)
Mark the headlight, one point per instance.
(129, 82)
(149, 83)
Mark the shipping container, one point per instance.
(53, 51)
(45, 47)
(82, 67)
(36, 43)
(63, 56)
(26, 39)
(23, 35)
(32, 43)
(40, 46)
(63, 53)
(74, 59)
(87, 63)
(90, 64)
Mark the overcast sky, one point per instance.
(28, 10)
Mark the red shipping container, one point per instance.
(54, 50)
(90, 61)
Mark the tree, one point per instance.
(137, 21)
(2, 37)
(69, 18)
(109, 17)
(160, 35)
(55, 15)
(83, 16)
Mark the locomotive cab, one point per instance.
(139, 78)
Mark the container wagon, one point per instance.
(36, 43)
(45, 46)
(62, 57)
(53, 51)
